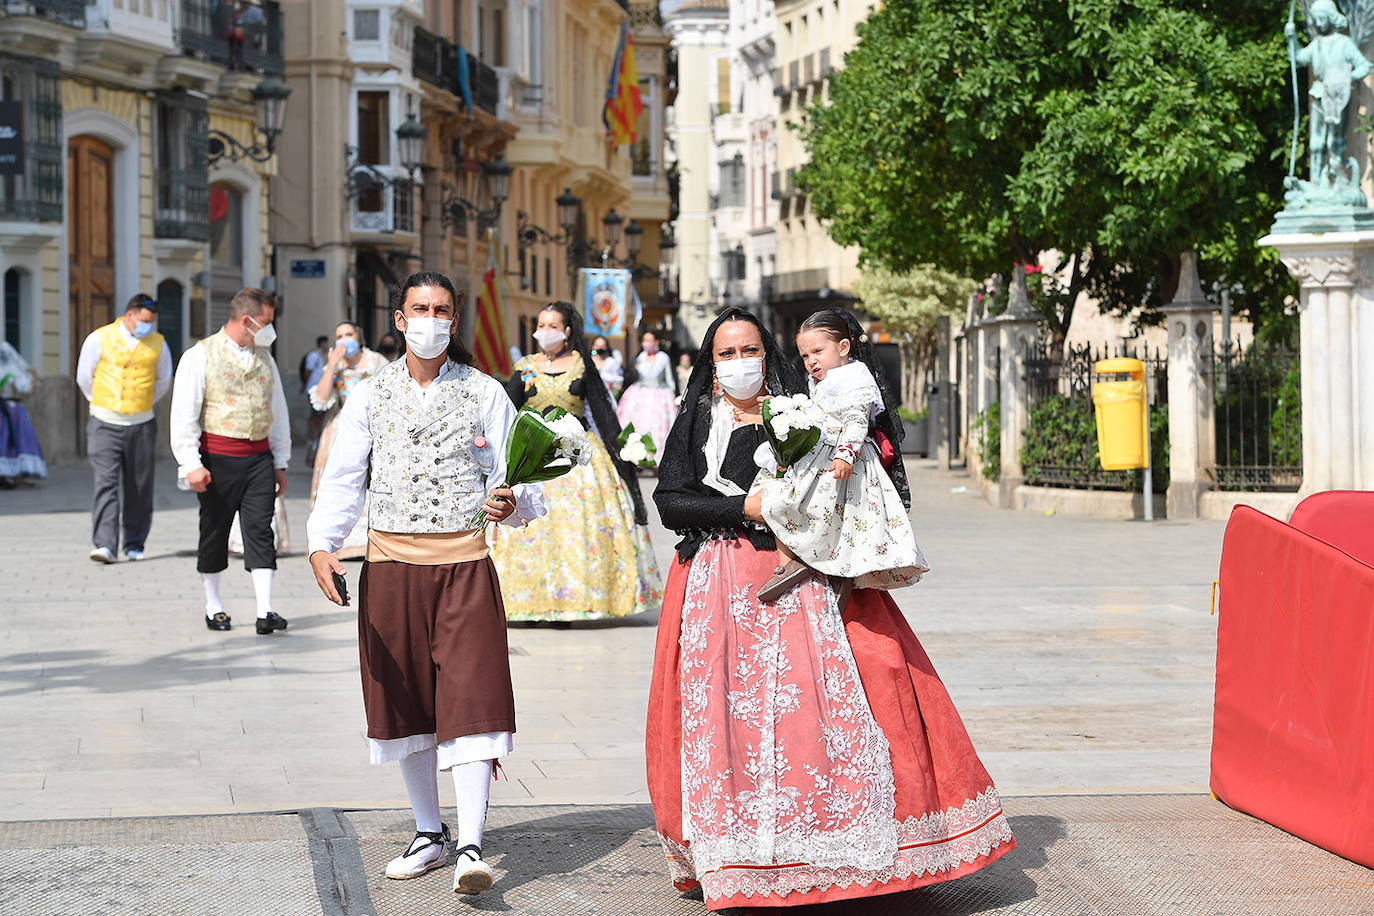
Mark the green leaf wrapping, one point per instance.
(531, 453)
(625, 432)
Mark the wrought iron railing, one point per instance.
(645, 16)
(206, 32)
(1059, 448)
(485, 84)
(181, 169)
(67, 12)
(428, 53)
(1258, 396)
(35, 194)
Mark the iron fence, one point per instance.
(1258, 397)
(1060, 444)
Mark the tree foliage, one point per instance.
(911, 302)
(1115, 133)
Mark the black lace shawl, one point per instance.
(603, 412)
(684, 502)
(887, 422)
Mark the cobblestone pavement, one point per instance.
(1120, 855)
(1079, 652)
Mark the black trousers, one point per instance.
(248, 486)
(122, 455)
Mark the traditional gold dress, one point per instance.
(585, 559)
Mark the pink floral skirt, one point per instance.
(651, 410)
(796, 756)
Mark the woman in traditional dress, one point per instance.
(348, 363)
(590, 556)
(20, 454)
(650, 398)
(608, 365)
(796, 755)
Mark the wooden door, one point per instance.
(90, 224)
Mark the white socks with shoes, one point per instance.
(262, 589)
(472, 785)
(213, 604)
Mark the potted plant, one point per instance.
(915, 431)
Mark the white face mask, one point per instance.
(428, 337)
(264, 335)
(548, 338)
(741, 378)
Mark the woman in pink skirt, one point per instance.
(797, 753)
(650, 398)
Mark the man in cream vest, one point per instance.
(232, 440)
(424, 438)
(124, 369)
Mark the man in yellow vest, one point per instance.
(124, 369)
(232, 440)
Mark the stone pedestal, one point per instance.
(1192, 421)
(1336, 270)
(1016, 332)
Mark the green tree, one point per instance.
(909, 304)
(1115, 134)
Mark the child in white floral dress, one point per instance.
(836, 511)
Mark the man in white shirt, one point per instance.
(424, 439)
(232, 440)
(124, 369)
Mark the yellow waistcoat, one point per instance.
(238, 398)
(124, 376)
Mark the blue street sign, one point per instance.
(311, 269)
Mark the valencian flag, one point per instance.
(490, 343)
(623, 103)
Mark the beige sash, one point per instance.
(424, 549)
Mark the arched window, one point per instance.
(169, 311)
(14, 326)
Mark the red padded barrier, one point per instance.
(1293, 726)
(1342, 518)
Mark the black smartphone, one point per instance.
(341, 585)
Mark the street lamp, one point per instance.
(612, 221)
(498, 173)
(454, 208)
(568, 204)
(269, 100)
(634, 239)
(410, 141)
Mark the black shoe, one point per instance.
(273, 621)
(218, 622)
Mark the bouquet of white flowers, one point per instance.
(793, 426)
(638, 450)
(541, 447)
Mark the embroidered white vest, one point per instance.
(424, 473)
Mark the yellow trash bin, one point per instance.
(1123, 432)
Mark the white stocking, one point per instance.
(421, 773)
(213, 604)
(262, 588)
(472, 785)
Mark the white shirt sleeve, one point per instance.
(188, 396)
(86, 363)
(164, 373)
(498, 413)
(339, 499)
(279, 434)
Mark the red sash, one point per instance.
(232, 448)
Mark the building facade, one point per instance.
(510, 87)
(700, 34)
(812, 271)
(134, 119)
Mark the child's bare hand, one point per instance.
(841, 469)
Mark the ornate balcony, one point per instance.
(35, 194)
(205, 32)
